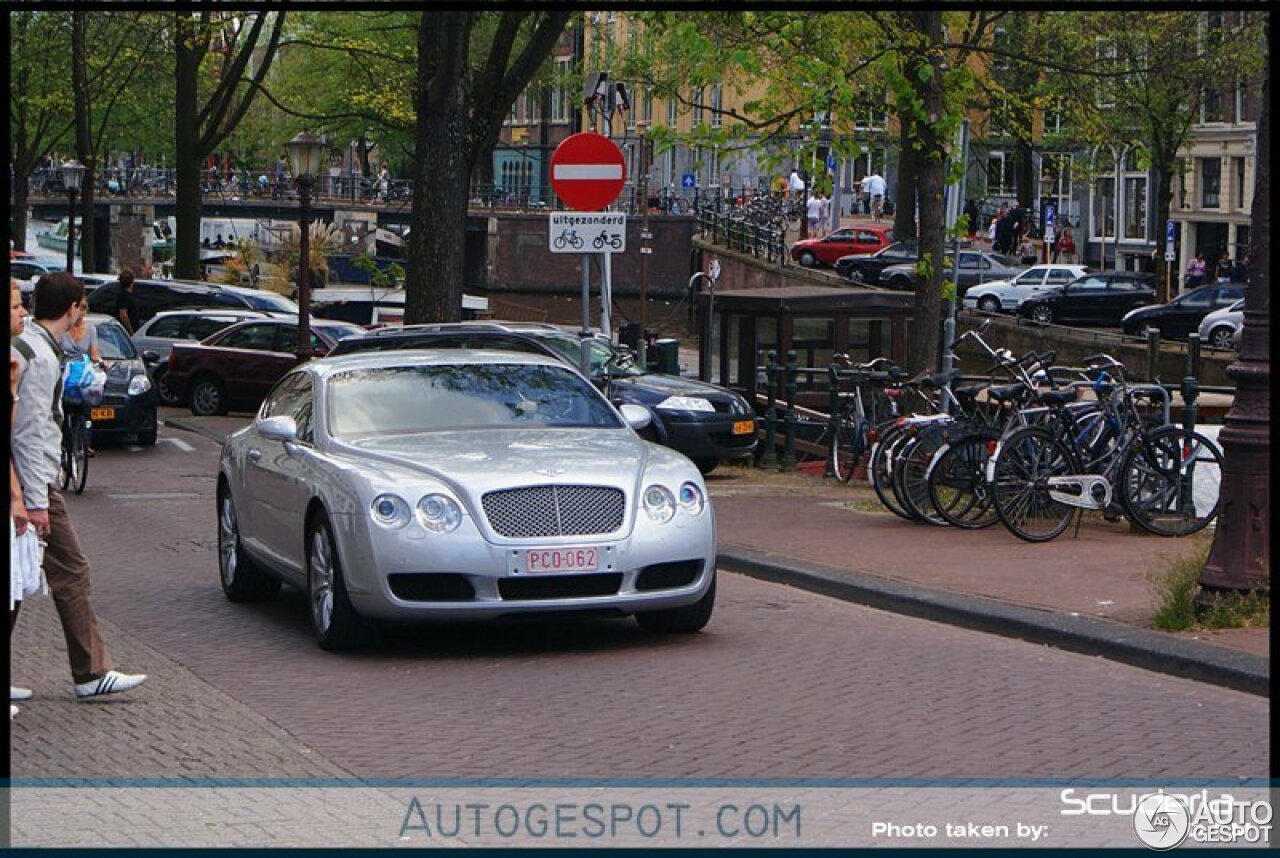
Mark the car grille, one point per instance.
(431, 587)
(539, 511)
(559, 586)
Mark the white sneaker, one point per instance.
(111, 682)
(19, 693)
(13, 710)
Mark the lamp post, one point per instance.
(306, 151)
(72, 175)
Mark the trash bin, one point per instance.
(664, 356)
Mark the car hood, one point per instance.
(1144, 312)
(119, 372)
(652, 388)
(487, 459)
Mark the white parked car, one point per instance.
(459, 484)
(1006, 295)
(1221, 328)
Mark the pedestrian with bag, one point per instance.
(36, 449)
(1196, 270)
(81, 341)
(1066, 246)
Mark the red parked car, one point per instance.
(234, 368)
(849, 241)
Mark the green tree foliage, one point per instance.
(40, 109)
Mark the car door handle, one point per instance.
(254, 455)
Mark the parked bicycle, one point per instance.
(74, 471)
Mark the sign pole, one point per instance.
(584, 359)
(606, 292)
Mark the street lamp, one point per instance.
(306, 152)
(72, 175)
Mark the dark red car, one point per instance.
(849, 241)
(234, 368)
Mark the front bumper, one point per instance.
(710, 439)
(120, 414)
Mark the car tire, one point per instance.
(163, 393)
(243, 580)
(334, 622)
(1222, 337)
(899, 282)
(208, 397)
(707, 465)
(855, 276)
(1042, 313)
(808, 260)
(989, 304)
(148, 438)
(686, 620)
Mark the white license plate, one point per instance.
(543, 560)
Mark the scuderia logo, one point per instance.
(1164, 820)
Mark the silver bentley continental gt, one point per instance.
(454, 484)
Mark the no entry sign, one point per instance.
(587, 171)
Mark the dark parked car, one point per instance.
(155, 338)
(234, 368)
(152, 296)
(1095, 299)
(976, 266)
(1182, 315)
(128, 405)
(703, 421)
(865, 270)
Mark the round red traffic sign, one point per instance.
(587, 171)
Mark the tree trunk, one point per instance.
(20, 202)
(1025, 178)
(186, 161)
(1163, 168)
(442, 167)
(904, 201)
(922, 347)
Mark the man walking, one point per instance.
(36, 448)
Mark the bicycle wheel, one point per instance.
(79, 456)
(910, 474)
(848, 447)
(1169, 482)
(880, 470)
(1024, 463)
(958, 482)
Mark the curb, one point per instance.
(1149, 650)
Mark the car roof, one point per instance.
(327, 366)
(465, 327)
(230, 312)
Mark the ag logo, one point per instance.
(1161, 821)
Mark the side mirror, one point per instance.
(150, 357)
(280, 428)
(637, 416)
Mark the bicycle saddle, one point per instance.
(968, 393)
(1056, 397)
(1006, 392)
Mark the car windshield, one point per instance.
(1006, 261)
(337, 330)
(113, 342)
(569, 347)
(269, 301)
(410, 399)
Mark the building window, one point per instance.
(1238, 197)
(697, 107)
(1246, 102)
(560, 90)
(1213, 105)
(671, 113)
(1135, 207)
(1210, 182)
(1000, 178)
(717, 103)
(1104, 51)
(1057, 167)
(1104, 208)
(646, 106)
(1000, 42)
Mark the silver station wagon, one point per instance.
(458, 484)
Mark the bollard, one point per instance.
(833, 405)
(770, 457)
(788, 462)
(1190, 393)
(1153, 355)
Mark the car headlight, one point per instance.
(691, 499)
(439, 513)
(659, 503)
(139, 384)
(390, 511)
(686, 403)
